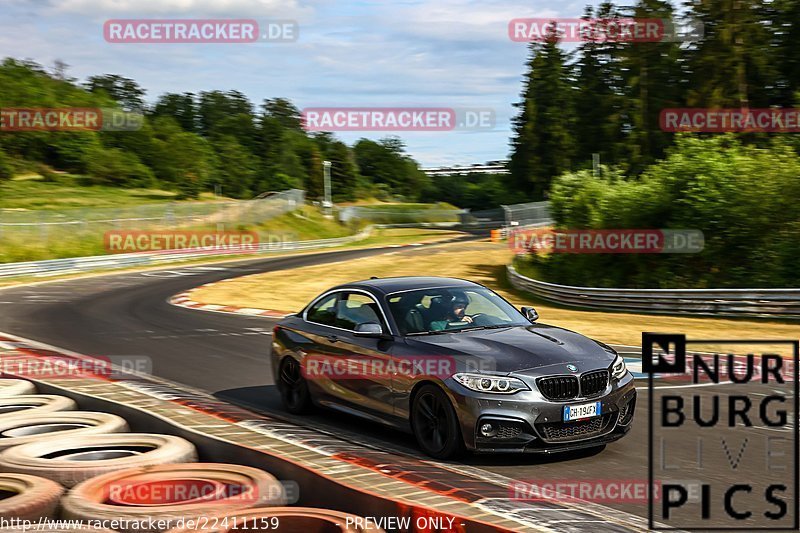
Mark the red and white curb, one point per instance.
(184, 299)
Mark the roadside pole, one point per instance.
(327, 204)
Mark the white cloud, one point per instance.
(194, 8)
(463, 19)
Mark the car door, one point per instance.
(320, 327)
(366, 382)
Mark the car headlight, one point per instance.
(492, 384)
(618, 369)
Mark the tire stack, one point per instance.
(29, 418)
(15, 387)
(57, 462)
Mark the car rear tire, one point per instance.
(293, 387)
(435, 424)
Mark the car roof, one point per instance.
(404, 283)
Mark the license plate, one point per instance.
(581, 411)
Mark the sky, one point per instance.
(349, 53)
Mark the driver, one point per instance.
(456, 312)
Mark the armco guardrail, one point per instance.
(773, 303)
(52, 267)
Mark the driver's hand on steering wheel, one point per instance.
(467, 318)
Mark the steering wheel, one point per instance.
(477, 316)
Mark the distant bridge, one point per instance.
(490, 167)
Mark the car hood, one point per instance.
(520, 348)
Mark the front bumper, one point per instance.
(526, 422)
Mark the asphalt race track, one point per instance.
(128, 314)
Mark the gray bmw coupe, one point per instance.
(455, 364)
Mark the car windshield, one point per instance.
(452, 309)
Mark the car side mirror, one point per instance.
(530, 313)
(369, 329)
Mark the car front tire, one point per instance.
(435, 424)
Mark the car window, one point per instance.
(432, 310)
(478, 303)
(324, 311)
(355, 308)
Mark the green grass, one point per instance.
(30, 192)
(306, 223)
(31, 200)
(385, 236)
(54, 242)
(378, 237)
(526, 268)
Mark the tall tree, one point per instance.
(215, 107)
(652, 79)
(386, 162)
(344, 175)
(311, 159)
(236, 167)
(787, 41)
(734, 65)
(542, 145)
(600, 106)
(284, 111)
(181, 107)
(125, 91)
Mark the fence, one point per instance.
(44, 225)
(388, 215)
(507, 217)
(80, 225)
(772, 303)
(533, 213)
(528, 214)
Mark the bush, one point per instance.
(283, 182)
(113, 166)
(745, 200)
(46, 173)
(6, 171)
